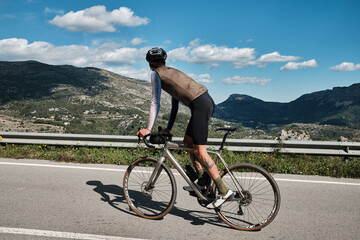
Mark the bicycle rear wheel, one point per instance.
(260, 202)
(156, 201)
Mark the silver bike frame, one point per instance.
(167, 154)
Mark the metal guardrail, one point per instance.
(237, 145)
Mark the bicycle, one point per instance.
(150, 187)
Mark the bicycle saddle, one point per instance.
(226, 129)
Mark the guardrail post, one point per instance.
(277, 148)
(347, 149)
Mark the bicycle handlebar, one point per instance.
(157, 138)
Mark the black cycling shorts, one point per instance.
(202, 108)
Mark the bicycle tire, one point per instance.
(156, 202)
(263, 198)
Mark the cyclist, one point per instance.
(194, 95)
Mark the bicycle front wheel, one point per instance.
(149, 202)
(256, 199)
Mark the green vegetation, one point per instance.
(274, 163)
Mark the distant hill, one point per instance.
(83, 100)
(31, 80)
(339, 106)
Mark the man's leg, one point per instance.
(211, 168)
(206, 161)
(189, 143)
(200, 158)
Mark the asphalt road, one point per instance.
(49, 200)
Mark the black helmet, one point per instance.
(156, 54)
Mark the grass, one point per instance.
(272, 162)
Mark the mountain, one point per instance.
(72, 99)
(31, 80)
(339, 106)
(247, 110)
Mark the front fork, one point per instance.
(155, 175)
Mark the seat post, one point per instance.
(228, 132)
(223, 141)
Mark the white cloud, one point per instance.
(243, 80)
(51, 10)
(132, 72)
(7, 16)
(137, 41)
(265, 59)
(276, 57)
(14, 49)
(345, 67)
(195, 42)
(211, 54)
(97, 19)
(117, 56)
(212, 65)
(103, 45)
(242, 64)
(204, 78)
(18, 49)
(295, 66)
(179, 54)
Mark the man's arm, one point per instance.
(155, 100)
(154, 106)
(173, 113)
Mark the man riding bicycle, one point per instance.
(194, 95)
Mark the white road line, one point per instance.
(63, 235)
(175, 173)
(63, 166)
(313, 181)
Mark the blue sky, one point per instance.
(271, 50)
